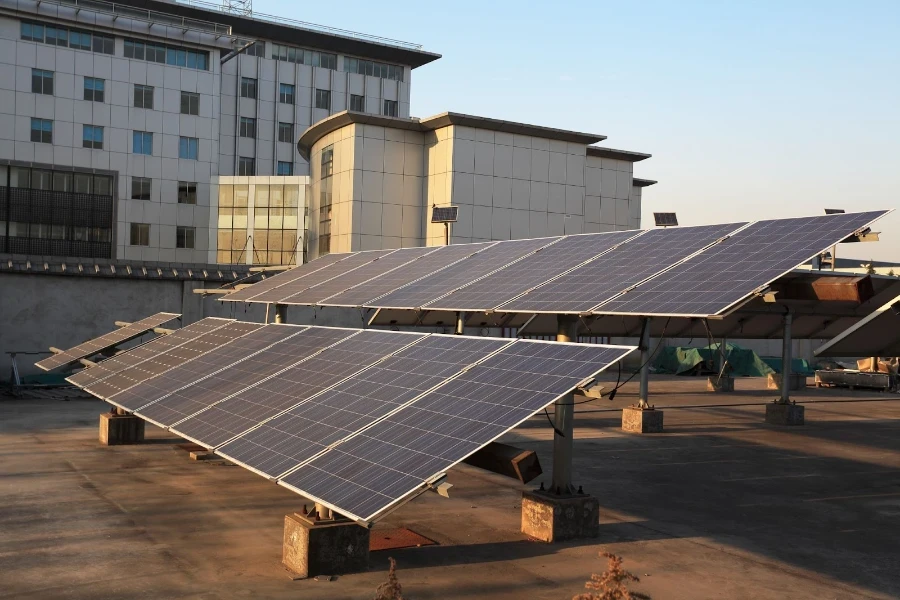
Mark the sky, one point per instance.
(751, 110)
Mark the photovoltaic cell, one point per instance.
(367, 292)
(299, 284)
(271, 283)
(713, 281)
(139, 354)
(341, 283)
(446, 280)
(108, 340)
(611, 274)
(531, 271)
(114, 385)
(297, 385)
(305, 430)
(383, 464)
(211, 427)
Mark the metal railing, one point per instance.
(151, 17)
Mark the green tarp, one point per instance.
(742, 362)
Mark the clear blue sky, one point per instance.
(751, 110)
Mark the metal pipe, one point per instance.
(281, 313)
(563, 419)
(645, 365)
(786, 349)
(460, 323)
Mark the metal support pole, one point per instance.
(564, 415)
(786, 350)
(281, 313)
(460, 323)
(645, 365)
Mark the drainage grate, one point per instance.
(392, 539)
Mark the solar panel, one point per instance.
(380, 466)
(834, 211)
(108, 340)
(446, 280)
(444, 214)
(609, 275)
(299, 284)
(111, 388)
(300, 433)
(336, 285)
(298, 385)
(211, 427)
(665, 219)
(718, 278)
(369, 291)
(533, 270)
(271, 283)
(139, 354)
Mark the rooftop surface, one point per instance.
(720, 506)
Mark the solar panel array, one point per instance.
(690, 271)
(360, 420)
(108, 340)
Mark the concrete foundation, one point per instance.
(779, 413)
(314, 548)
(117, 430)
(642, 420)
(795, 383)
(720, 384)
(551, 518)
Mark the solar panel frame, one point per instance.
(532, 270)
(276, 281)
(444, 214)
(665, 219)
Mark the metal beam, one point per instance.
(563, 418)
(786, 351)
(645, 364)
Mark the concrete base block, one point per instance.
(797, 381)
(642, 420)
(314, 548)
(720, 384)
(116, 430)
(551, 518)
(778, 413)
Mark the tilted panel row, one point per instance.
(269, 284)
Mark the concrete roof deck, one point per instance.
(720, 506)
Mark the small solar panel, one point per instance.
(667, 219)
(444, 214)
(834, 211)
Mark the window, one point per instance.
(248, 87)
(32, 32)
(80, 40)
(142, 142)
(390, 108)
(171, 55)
(286, 94)
(286, 132)
(323, 99)
(104, 44)
(375, 69)
(93, 89)
(285, 168)
(184, 237)
(143, 96)
(141, 188)
(42, 131)
(56, 35)
(190, 103)
(92, 137)
(325, 190)
(188, 147)
(304, 57)
(140, 234)
(42, 81)
(246, 166)
(357, 103)
(257, 49)
(187, 192)
(248, 127)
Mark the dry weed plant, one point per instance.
(612, 584)
(390, 589)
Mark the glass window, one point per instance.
(188, 148)
(246, 166)
(62, 181)
(32, 32)
(142, 142)
(41, 180)
(140, 234)
(57, 36)
(323, 99)
(286, 132)
(42, 131)
(42, 81)
(327, 61)
(92, 137)
(327, 161)
(248, 87)
(357, 103)
(102, 185)
(104, 44)
(94, 89)
(80, 40)
(390, 108)
(285, 168)
(141, 188)
(187, 192)
(172, 55)
(286, 94)
(184, 237)
(247, 127)
(82, 183)
(257, 49)
(190, 103)
(143, 96)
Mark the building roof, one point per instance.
(628, 155)
(637, 182)
(296, 32)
